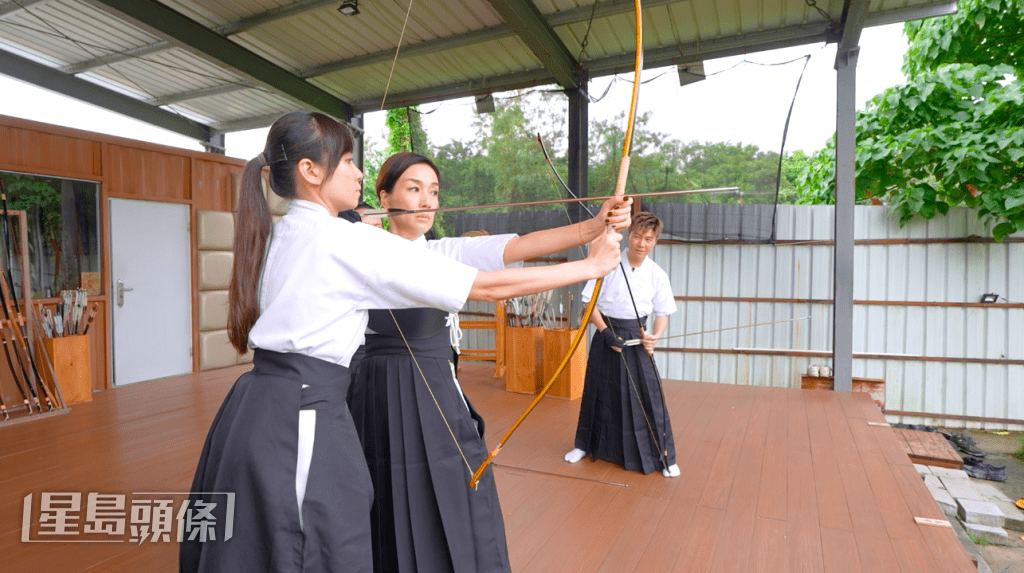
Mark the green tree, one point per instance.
(465, 177)
(512, 158)
(40, 198)
(954, 134)
(405, 131)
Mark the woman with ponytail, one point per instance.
(282, 461)
(420, 433)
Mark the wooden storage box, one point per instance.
(570, 381)
(523, 353)
(71, 364)
(873, 386)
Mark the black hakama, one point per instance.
(425, 517)
(612, 424)
(252, 451)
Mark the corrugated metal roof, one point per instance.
(450, 47)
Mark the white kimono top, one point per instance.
(322, 273)
(650, 286)
(486, 253)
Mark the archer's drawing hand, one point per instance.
(613, 342)
(616, 212)
(604, 254)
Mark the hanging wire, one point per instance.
(785, 132)
(824, 14)
(586, 36)
(414, 110)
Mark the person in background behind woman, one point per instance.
(421, 435)
(283, 444)
(362, 208)
(622, 415)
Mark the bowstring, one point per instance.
(431, 391)
(401, 36)
(405, 341)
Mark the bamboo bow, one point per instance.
(620, 188)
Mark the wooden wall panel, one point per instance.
(32, 151)
(126, 169)
(99, 336)
(213, 185)
(144, 174)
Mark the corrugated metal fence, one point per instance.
(918, 320)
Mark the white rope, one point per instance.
(454, 332)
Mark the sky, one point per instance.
(738, 102)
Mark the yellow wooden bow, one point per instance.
(620, 187)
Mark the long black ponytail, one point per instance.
(293, 137)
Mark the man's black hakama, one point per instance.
(425, 518)
(612, 424)
(252, 451)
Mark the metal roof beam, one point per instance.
(110, 59)
(15, 7)
(707, 50)
(273, 15)
(56, 81)
(540, 37)
(855, 13)
(200, 93)
(247, 123)
(581, 14)
(265, 120)
(899, 15)
(671, 55)
(165, 22)
(227, 30)
(572, 16)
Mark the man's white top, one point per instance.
(322, 273)
(649, 284)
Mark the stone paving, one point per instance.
(975, 507)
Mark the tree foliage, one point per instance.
(503, 162)
(954, 134)
(405, 130)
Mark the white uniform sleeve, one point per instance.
(397, 274)
(664, 300)
(485, 253)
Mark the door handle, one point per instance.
(120, 292)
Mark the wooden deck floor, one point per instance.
(773, 480)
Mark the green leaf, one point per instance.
(1014, 202)
(1001, 231)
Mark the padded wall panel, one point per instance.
(215, 270)
(213, 310)
(215, 351)
(215, 230)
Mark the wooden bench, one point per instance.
(928, 448)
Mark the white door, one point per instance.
(151, 290)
